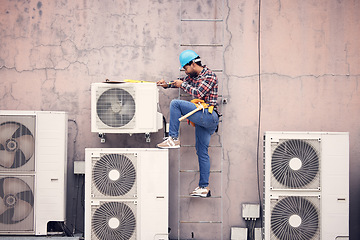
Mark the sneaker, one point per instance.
(169, 142)
(201, 192)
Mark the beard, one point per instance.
(192, 74)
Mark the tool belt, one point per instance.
(198, 102)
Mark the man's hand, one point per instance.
(162, 83)
(177, 83)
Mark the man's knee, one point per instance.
(174, 102)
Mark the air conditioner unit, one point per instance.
(306, 185)
(125, 108)
(126, 193)
(33, 152)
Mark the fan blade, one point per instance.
(114, 210)
(109, 97)
(110, 116)
(21, 210)
(26, 145)
(127, 99)
(127, 110)
(14, 186)
(6, 131)
(3, 208)
(125, 168)
(6, 158)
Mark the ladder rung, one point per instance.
(188, 95)
(192, 171)
(202, 20)
(200, 221)
(201, 45)
(189, 196)
(214, 70)
(194, 145)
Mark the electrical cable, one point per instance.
(77, 185)
(65, 229)
(166, 133)
(259, 113)
(250, 225)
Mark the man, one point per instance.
(201, 83)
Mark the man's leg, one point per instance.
(205, 125)
(202, 144)
(178, 108)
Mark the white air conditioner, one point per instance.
(306, 186)
(126, 193)
(33, 152)
(125, 108)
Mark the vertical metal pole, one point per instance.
(179, 155)
(221, 131)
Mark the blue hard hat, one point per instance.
(186, 57)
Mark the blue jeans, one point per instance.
(205, 126)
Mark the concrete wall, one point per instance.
(50, 52)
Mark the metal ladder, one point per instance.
(189, 226)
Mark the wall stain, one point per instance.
(39, 5)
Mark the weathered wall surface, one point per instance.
(50, 52)
(309, 82)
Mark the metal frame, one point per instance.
(220, 146)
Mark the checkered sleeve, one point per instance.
(205, 87)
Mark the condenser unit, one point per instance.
(126, 193)
(125, 108)
(306, 185)
(33, 151)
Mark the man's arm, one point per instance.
(176, 83)
(204, 87)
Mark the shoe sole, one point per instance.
(202, 195)
(169, 146)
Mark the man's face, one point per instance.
(190, 71)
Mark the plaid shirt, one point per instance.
(204, 86)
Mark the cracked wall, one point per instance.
(51, 51)
(309, 81)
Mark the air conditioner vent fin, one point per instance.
(114, 174)
(295, 163)
(114, 221)
(295, 218)
(115, 107)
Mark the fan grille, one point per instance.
(16, 203)
(115, 107)
(115, 175)
(295, 164)
(114, 221)
(295, 218)
(17, 143)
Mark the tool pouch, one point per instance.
(197, 101)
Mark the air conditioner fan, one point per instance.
(294, 218)
(115, 107)
(16, 200)
(295, 163)
(114, 174)
(17, 145)
(113, 221)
